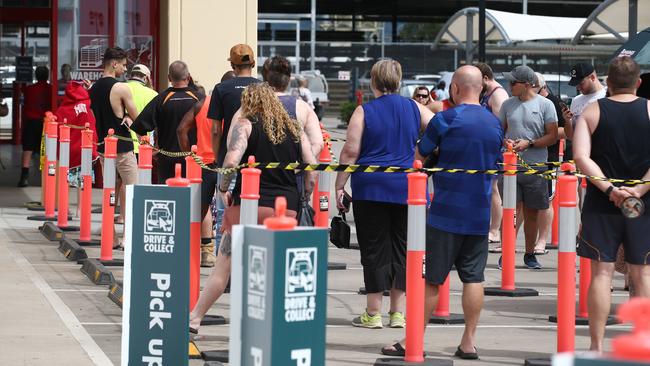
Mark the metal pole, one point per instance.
(632, 18)
(313, 35)
(481, 30)
(524, 9)
(469, 39)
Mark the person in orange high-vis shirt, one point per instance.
(197, 118)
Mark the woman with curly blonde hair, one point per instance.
(261, 128)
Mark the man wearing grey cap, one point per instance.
(530, 122)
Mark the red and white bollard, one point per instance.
(556, 207)
(566, 275)
(193, 172)
(442, 315)
(49, 171)
(108, 204)
(508, 233)
(322, 209)
(145, 164)
(64, 167)
(250, 193)
(415, 251)
(85, 204)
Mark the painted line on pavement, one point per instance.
(65, 314)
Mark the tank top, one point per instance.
(619, 147)
(204, 132)
(289, 104)
(273, 182)
(391, 128)
(100, 103)
(485, 101)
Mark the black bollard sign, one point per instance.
(156, 276)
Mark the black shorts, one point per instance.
(32, 133)
(444, 249)
(208, 184)
(602, 234)
(167, 167)
(532, 190)
(381, 231)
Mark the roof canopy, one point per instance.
(610, 20)
(504, 27)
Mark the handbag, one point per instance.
(305, 213)
(340, 231)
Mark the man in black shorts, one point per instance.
(37, 102)
(459, 217)
(164, 114)
(610, 141)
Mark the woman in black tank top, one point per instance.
(268, 133)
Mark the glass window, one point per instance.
(83, 38)
(134, 32)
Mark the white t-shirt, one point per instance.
(580, 102)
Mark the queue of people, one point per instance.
(466, 125)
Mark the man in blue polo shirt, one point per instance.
(467, 136)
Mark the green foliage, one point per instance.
(419, 31)
(347, 108)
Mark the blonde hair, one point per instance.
(258, 101)
(385, 76)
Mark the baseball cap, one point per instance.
(141, 69)
(580, 71)
(241, 54)
(541, 82)
(522, 74)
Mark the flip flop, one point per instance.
(540, 251)
(397, 351)
(194, 330)
(466, 355)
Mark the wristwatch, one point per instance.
(531, 143)
(609, 190)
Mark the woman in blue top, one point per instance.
(382, 132)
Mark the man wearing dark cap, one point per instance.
(225, 101)
(584, 78)
(530, 122)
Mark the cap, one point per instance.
(241, 54)
(580, 71)
(541, 82)
(522, 74)
(141, 69)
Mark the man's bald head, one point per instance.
(468, 81)
(178, 71)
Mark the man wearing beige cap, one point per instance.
(140, 84)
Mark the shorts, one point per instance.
(468, 253)
(381, 231)
(602, 234)
(532, 190)
(32, 133)
(231, 217)
(208, 184)
(126, 166)
(167, 168)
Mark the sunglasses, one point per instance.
(423, 96)
(517, 82)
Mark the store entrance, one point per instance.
(25, 44)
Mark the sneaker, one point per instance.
(22, 182)
(500, 263)
(531, 261)
(367, 321)
(397, 320)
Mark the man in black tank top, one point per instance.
(109, 98)
(610, 141)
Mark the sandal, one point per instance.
(194, 330)
(397, 351)
(540, 251)
(466, 355)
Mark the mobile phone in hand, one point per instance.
(347, 200)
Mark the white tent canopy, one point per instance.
(611, 20)
(504, 27)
